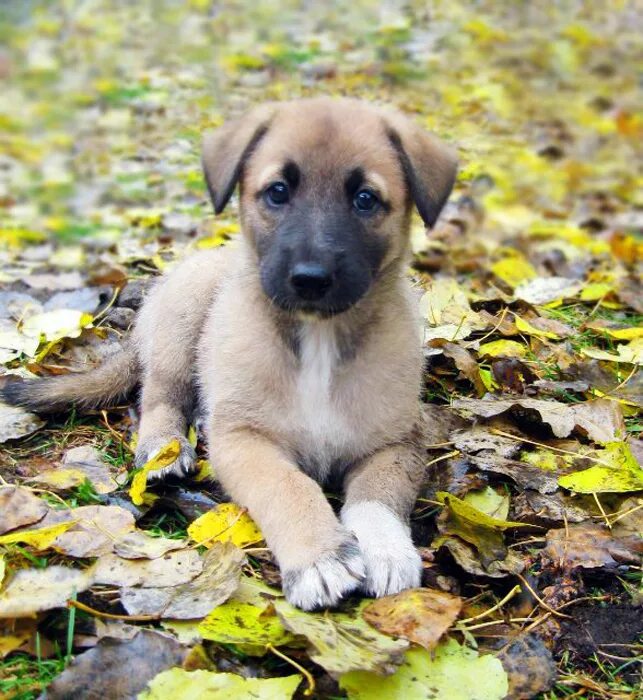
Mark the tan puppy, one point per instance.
(299, 342)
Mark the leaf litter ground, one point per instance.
(531, 519)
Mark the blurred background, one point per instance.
(103, 103)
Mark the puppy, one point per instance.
(299, 343)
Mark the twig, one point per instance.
(549, 447)
(491, 332)
(307, 674)
(603, 513)
(541, 602)
(508, 597)
(110, 616)
(491, 623)
(442, 457)
(115, 433)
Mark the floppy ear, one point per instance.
(226, 149)
(429, 165)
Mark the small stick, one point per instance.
(307, 674)
(603, 513)
(541, 602)
(443, 457)
(110, 616)
(508, 597)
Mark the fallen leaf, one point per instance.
(33, 590)
(590, 546)
(15, 423)
(40, 538)
(51, 326)
(483, 531)
(489, 501)
(87, 460)
(196, 598)
(601, 420)
(527, 328)
(194, 685)
(171, 569)
(117, 668)
(543, 290)
(421, 615)
(453, 671)
(631, 352)
(66, 280)
(139, 545)
(503, 348)
(58, 479)
(342, 641)
(225, 523)
(618, 472)
(466, 557)
(249, 626)
(93, 531)
(163, 458)
(18, 507)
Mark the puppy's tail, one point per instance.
(102, 386)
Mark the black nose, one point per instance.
(310, 280)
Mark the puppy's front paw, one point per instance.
(182, 466)
(324, 583)
(392, 561)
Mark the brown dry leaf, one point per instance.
(590, 546)
(18, 507)
(33, 590)
(421, 615)
(117, 668)
(546, 509)
(94, 532)
(529, 665)
(601, 420)
(139, 545)
(196, 598)
(15, 423)
(171, 569)
(87, 460)
(467, 365)
(465, 556)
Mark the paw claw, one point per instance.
(324, 583)
(181, 467)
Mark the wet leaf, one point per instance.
(454, 672)
(193, 685)
(18, 507)
(342, 642)
(529, 666)
(421, 615)
(468, 558)
(225, 523)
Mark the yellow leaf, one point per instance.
(503, 348)
(57, 324)
(225, 523)
(631, 353)
(60, 478)
(163, 458)
(596, 291)
(41, 538)
(623, 333)
(513, 270)
(526, 327)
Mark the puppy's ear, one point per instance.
(429, 165)
(226, 150)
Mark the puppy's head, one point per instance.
(326, 189)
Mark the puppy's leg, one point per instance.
(320, 560)
(380, 494)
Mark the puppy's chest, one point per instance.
(321, 412)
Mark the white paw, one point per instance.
(182, 466)
(327, 581)
(392, 561)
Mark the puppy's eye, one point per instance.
(277, 194)
(366, 201)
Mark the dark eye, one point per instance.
(277, 194)
(365, 201)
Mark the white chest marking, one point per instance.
(317, 409)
